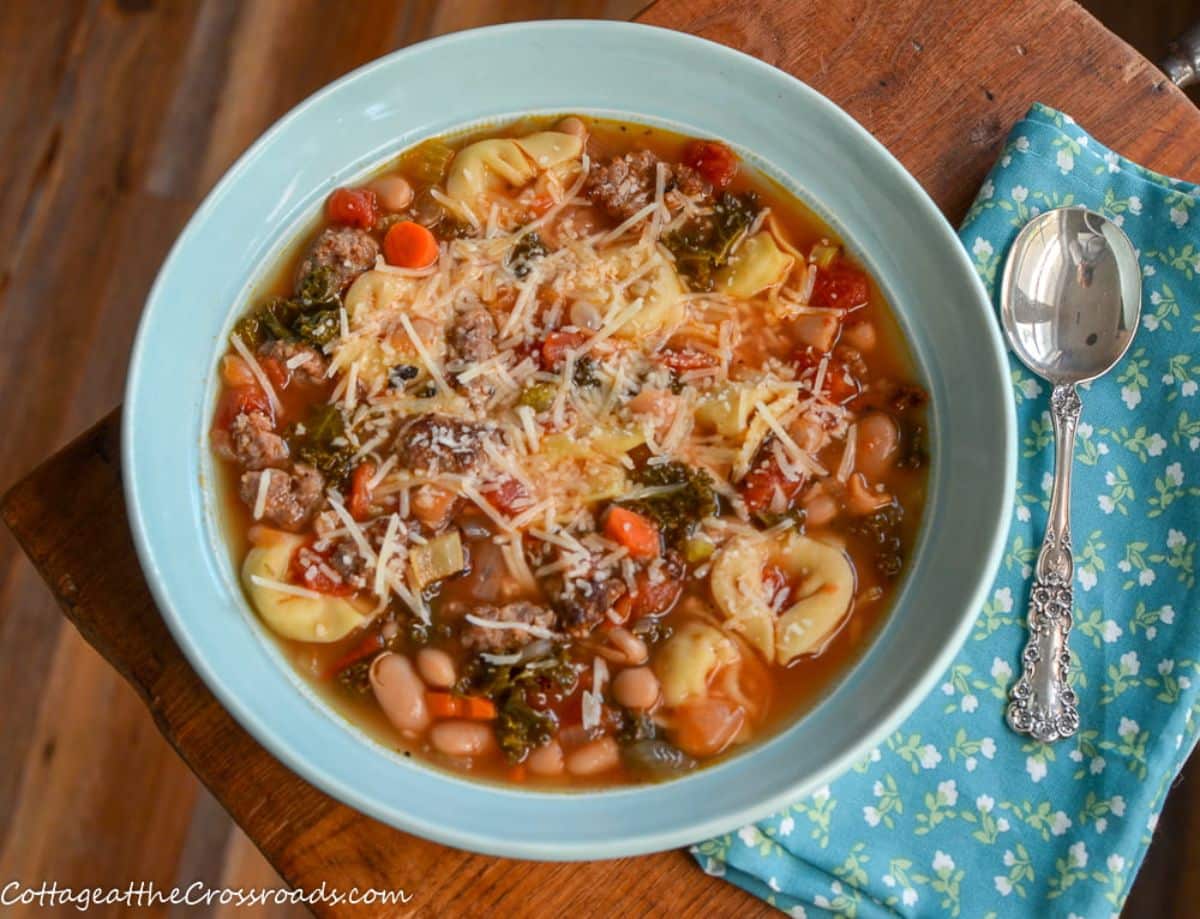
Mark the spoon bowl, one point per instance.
(1071, 295)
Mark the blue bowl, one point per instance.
(620, 70)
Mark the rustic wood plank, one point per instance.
(126, 113)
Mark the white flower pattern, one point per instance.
(952, 815)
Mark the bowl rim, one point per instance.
(898, 707)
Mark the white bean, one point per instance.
(574, 126)
(632, 648)
(594, 757)
(399, 691)
(819, 509)
(860, 335)
(394, 193)
(877, 440)
(546, 759)
(436, 668)
(462, 738)
(636, 688)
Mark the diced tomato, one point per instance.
(506, 495)
(839, 385)
(840, 286)
(540, 204)
(359, 503)
(306, 569)
(687, 359)
(777, 585)
(636, 533)
(716, 162)
(237, 400)
(759, 486)
(355, 207)
(648, 598)
(276, 372)
(556, 346)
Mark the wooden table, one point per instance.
(939, 83)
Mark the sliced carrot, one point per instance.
(478, 708)
(633, 531)
(359, 503)
(368, 647)
(409, 245)
(443, 705)
(236, 372)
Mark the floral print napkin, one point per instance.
(953, 814)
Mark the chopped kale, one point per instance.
(702, 245)
(635, 726)
(401, 374)
(882, 531)
(356, 677)
(524, 693)
(311, 316)
(520, 727)
(677, 511)
(321, 443)
(528, 247)
(913, 454)
(319, 328)
(585, 372)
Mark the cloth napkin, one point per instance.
(953, 814)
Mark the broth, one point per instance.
(770, 505)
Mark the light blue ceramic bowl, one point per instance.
(602, 68)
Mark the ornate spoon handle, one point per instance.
(1042, 704)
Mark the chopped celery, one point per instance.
(428, 162)
(823, 254)
(437, 559)
(538, 396)
(698, 549)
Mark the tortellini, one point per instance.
(486, 166)
(316, 619)
(825, 583)
(659, 289)
(758, 264)
(373, 304)
(688, 661)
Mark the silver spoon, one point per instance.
(1070, 301)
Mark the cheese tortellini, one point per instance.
(691, 657)
(302, 618)
(758, 264)
(487, 166)
(825, 590)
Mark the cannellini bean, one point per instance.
(861, 499)
(636, 688)
(399, 691)
(394, 193)
(631, 648)
(462, 738)
(818, 330)
(876, 441)
(546, 759)
(819, 509)
(860, 335)
(594, 757)
(573, 126)
(436, 668)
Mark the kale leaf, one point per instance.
(702, 245)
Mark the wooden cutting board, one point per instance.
(939, 82)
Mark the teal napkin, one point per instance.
(953, 814)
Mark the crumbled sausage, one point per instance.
(311, 370)
(583, 602)
(291, 497)
(472, 340)
(253, 442)
(438, 443)
(625, 184)
(348, 251)
(499, 640)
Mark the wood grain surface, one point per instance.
(117, 117)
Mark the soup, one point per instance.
(573, 453)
